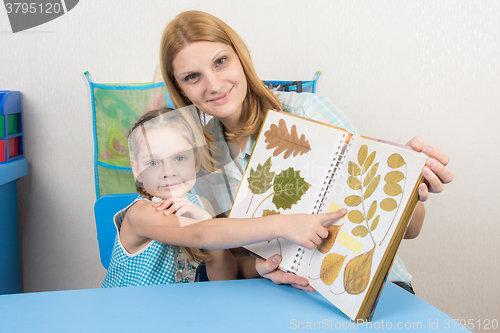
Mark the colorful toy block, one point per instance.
(11, 134)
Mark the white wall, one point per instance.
(397, 68)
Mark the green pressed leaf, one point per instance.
(354, 183)
(261, 178)
(375, 223)
(370, 175)
(372, 187)
(392, 189)
(368, 162)
(355, 216)
(388, 204)
(371, 211)
(395, 161)
(360, 231)
(353, 169)
(288, 188)
(268, 212)
(394, 177)
(363, 151)
(352, 200)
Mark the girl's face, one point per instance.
(211, 76)
(168, 168)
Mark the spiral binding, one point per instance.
(330, 177)
(327, 183)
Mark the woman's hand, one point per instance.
(182, 207)
(269, 269)
(435, 171)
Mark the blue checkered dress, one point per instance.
(156, 263)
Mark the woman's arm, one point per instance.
(215, 234)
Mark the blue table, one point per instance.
(227, 306)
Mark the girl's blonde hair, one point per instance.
(193, 26)
(184, 122)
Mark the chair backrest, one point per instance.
(105, 209)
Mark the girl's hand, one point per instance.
(309, 230)
(182, 207)
(435, 171)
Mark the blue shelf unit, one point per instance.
(11, 127)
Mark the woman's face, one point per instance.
(211, 76)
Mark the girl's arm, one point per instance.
(214, 234)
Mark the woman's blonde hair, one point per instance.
(183, 121)
(193, 26)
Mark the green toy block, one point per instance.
(2, 125)
(12, 124)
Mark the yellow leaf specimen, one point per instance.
(327, 243)
(330, 268)
(357, 273)
(278, 137)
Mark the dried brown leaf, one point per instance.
(363, 151)
(368, 162)
(289, 142)
(394, 177)
(355, 216)
(327, 243)
(353, 169)
(354, 183)
(395, 161)
(352, 200)
(393, 189)
(370, 175)
(388, 204)
(372, 187)
(357, 273)
(360, 231)
(371, 210)
(330, 268)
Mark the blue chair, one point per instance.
(105, 209)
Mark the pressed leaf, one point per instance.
(261, 178)
(330, 268)
(268, 212)
(354, 183)
(353, 169)
(289, 142)
(370, 175)
(392, 189)
(363, 151)
(355, 216)
(375, 223)
(288, 188)
(327, 243)
(394, 177)
(357, 273)
(372, 187)
(388, 204)
(395, 161)
(352, 200)
(371, 210)
(360, 231)
(368, 162)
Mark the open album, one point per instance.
(304, 166)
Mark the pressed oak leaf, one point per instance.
(357, 273)
(288, 188)
(261, 178)
(289, 142)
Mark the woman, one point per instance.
(205, 63)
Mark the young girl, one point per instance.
(205, 63)
(166, 153)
